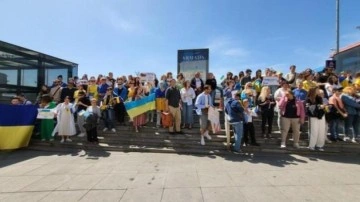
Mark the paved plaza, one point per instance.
(27, 175)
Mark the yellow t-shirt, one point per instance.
(92, 91)
(76, 95)
(308, 84)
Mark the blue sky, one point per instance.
(125, 36)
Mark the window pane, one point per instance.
(29, 77)
(52, 74)
(8, 76)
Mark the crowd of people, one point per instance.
(327, 99)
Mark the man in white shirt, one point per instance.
(291, 77)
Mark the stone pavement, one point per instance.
(103, 176)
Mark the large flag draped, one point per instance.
(140, 106)
(16, 125)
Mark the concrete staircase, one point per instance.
(152, 139)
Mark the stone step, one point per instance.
(75, 147)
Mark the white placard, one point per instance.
(45, 114)
(270, 81)
(147, 77)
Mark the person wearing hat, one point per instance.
(336, 114)
(246, 78)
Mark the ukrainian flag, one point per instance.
(16, 125)
(137, 107)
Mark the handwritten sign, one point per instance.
(270, 81)
(45, 114)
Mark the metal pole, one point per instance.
(337, 25)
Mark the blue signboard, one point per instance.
(192, 61)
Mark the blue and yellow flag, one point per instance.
(137, 107)
(16, 125)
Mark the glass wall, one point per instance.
(348, 60)
(9, 76)
(29, 77)
(23, 70)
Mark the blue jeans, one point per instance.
(187, 114)
(108, 116)
(238, 133)
(350, 124)
(334, 128)
(212, 95)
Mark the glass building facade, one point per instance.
(348, 59)
(24, 70)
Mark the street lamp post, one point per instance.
(337, 25)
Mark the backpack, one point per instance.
(166, 120)
(91, 121)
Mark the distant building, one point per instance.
(24, 70)
(348, 58)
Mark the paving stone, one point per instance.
(249, 178)
(214, 194)
(215, 179)
(103, 195)
(262, 193)
(23, 196)
(149, 180)
(48, 183)
(182, 194)
(186, 179)
(62, 196)
(17, 183)
(81, 182)
(142, 194)
(116, 181)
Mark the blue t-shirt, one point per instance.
(300, 94)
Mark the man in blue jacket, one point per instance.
(121, 92)
(235, 115)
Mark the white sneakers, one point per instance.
(81, 135)
(207, 135)
(353, 140)
(106, 129)
(67, 140)
(283, 145)
(202, 140)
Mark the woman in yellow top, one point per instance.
(131, 90)
(92, 89)
(308, 82)
(76, 93)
